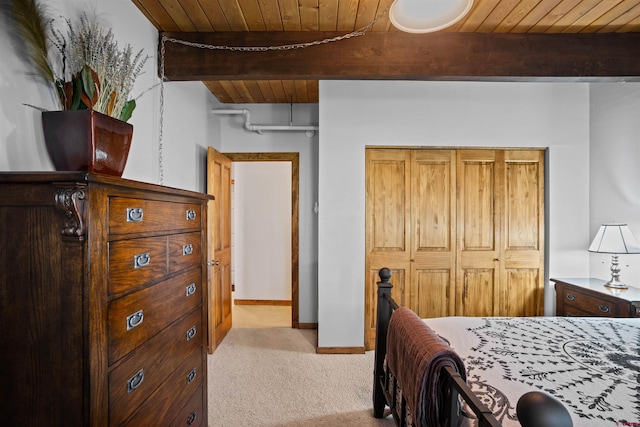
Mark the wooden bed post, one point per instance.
(382, 325)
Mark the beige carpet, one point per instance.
(261, 316)
(272, 376)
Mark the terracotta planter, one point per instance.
(87, 141)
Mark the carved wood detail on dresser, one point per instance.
(102, 290)
(590, 297)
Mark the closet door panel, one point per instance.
(522, 295)
(478, 292)
(478, 280)
(387, 192)
(477, 200)
(430, 292)
(524, 200)
(523, 233)
(433, 218)
(433, 201)
(387, 228)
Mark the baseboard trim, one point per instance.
(308, 325)
(340, 350)
(262, 302)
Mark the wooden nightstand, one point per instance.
(589, 297)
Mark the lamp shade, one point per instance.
(426, 16)
(615, 238)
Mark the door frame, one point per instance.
(294, 158)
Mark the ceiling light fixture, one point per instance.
(427, 16)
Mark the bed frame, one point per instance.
(534, 409)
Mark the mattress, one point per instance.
(592, 365)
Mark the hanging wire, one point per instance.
(160, 134)
(357, 33)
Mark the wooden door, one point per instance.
(411, 217)
(461, 230)
(500, 235)
(523, 234)
(433, 222)
(478, 233)
(219, 248)
(387, 228)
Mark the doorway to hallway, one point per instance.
(293, 160)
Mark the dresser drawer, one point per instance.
(181, 392)
(135, 318)
(580, 303)
(184, 251)
(133, 381)
(128, 216)
(135, 262)
(192, 414)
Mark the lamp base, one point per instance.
(615, 284)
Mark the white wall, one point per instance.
(615, 174)
(235, 139)
(354, 115)
(262, 230)
(188, 127)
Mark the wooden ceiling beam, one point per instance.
(402, 56)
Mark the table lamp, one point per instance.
(615, 239)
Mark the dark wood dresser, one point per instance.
(589, 297)
(102, 283)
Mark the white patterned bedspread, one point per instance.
(590, 364)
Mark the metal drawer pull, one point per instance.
(134, 214)
(604, 308)
(191, 333)
(191, 215)
(192, 418)
(571, 297)
(191, 376)
(135, 381)
(134, 320)
(141, 260)
(187, 249)
(191, 289)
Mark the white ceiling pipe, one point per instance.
(309, 129)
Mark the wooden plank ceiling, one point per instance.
(344, 16)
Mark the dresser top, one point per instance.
(96, 178)
(631, 294)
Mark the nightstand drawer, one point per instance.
(591, 305)
(591, 297)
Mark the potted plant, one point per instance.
(91, 78)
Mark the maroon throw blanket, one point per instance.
(416, 356)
